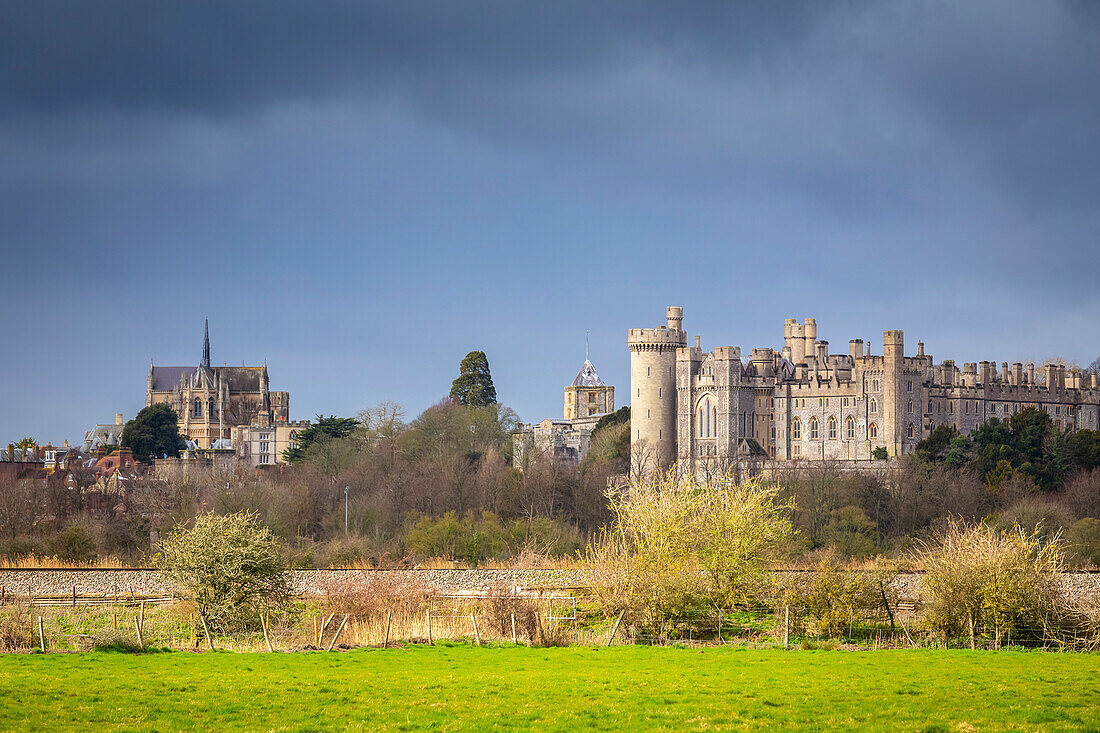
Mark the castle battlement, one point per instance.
(686, 406)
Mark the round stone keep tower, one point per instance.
(653, 389)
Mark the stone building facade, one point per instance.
(587, 399)
(210, 401)
(803, 402)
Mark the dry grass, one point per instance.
(527, 560)
(50, 562)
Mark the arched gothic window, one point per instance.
(796, 429)
(872, 430)
(850, 427)
(210, 409)
(909, 430)
(708, 419)
(813, 428)
(909, 407)
(874, 405)
(832, 428)
(874, 385)
(198, 408)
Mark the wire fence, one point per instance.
(77, 623)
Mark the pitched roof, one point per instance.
(168, 377)
(236, 378)
(587, 376)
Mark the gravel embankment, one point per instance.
(126, 583)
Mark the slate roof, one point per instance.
(587, 376)
(168, 377)
(238, 379)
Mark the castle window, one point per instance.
(210, 407)
(820, 401)
(909, 407)
(872, 430)
(797, 451)
(966, 407)
(909, 386)
(832, 428)
(874, 385)
(930, 405)
(909, 431)
(850, 427)
(874, 405)
(198, 408)
(813, 428)
(796, 429)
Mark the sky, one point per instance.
(361, 193)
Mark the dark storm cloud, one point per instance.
(213, 57)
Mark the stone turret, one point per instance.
(653, 388)
(893, 409)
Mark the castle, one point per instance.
(802, 402)
(210, 401)
(587, 399)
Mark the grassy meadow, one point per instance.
(461, 687)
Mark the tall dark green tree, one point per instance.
(152, 433)
(322, 430)
(474, 386)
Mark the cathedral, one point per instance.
(210, 401)
(802, 402)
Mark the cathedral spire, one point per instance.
(206, 343)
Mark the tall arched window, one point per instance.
(813, 428)
(872, 430)
(909, 407)
(210, 409)
(874, 385)
(850, 427)
(874, 405)
(832, 428)
(909, 430)
(708, 419)
(198, 408)
(796, 429)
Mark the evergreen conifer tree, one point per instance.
(474, 386)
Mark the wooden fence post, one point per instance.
(514, 640)
(263, 625)
(428, 616)
(615, 628)
(786, 627)
(41, 636)
(137, 625)
(321, 635)
(970, 618)
(337, 634)
(386, 641)
(477, 636)
(206, 631)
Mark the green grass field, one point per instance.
(624, 688)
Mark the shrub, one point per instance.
(850, 532)
(677, 544)
(1002, 580)
(230, 567)
(831, 596)
(380, 591)
(74, 544)
(1083, 541)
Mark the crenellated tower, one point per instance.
(653, 389)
